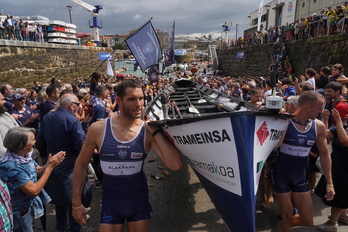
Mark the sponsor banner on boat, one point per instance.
(268, 132)
(209, 147)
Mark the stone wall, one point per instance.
(255, 62)
(311, 53)
(23, 62)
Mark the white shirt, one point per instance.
(311, 81)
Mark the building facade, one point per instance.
(281, 12)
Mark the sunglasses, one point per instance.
(76, 103)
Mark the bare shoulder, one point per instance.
(96, 128)
(98, 125)
(320, 126)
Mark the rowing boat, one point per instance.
(224, 139)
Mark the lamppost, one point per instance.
(237, 31)
(224, 33)
(69, 9)
(267, 9)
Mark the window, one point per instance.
(303, 4)
(314, 1)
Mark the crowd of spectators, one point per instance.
(331, 83)
(326, 22)
(18, 30)
(96, 100)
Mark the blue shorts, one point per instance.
(118, 206)
(289, 178)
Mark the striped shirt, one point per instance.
(6, 223)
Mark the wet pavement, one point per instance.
(180, 204)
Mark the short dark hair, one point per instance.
(95, 76)
(255, 91)
(109, 87)
(51, 89)
(326, 70)
(311, 72)
(269, 82)
(100, 90)
(3, 88)
(127, 83)
(334, 85)
(286, 81)
(65, 91)
(338, 66)
(309, 98)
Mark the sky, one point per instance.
(193, 18)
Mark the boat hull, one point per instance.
(227, 150)
(228, 154)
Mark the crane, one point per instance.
(94, 12)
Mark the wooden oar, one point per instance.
(173, 111)
(192, 108)
(201, 100)
(177, 110)
(164, 101)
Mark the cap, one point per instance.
(223, 82)
(16, 97)
(314, 14)
(345, 2)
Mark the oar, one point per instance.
(173, 111)
(192, 108)
(201, 100)
(164, 101)
(177, 110)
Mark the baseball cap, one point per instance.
(16, 97)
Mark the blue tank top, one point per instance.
(297, 144)
(122, 162)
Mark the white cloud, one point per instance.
(137, 16)
(192, 17)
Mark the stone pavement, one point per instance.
(181, 204)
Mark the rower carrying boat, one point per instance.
(225, 140)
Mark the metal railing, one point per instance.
(295, 31)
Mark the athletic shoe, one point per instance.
(87, 217)
(88, 209)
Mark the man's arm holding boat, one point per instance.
(169, 155)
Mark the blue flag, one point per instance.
(145, 46)
(170, 49)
